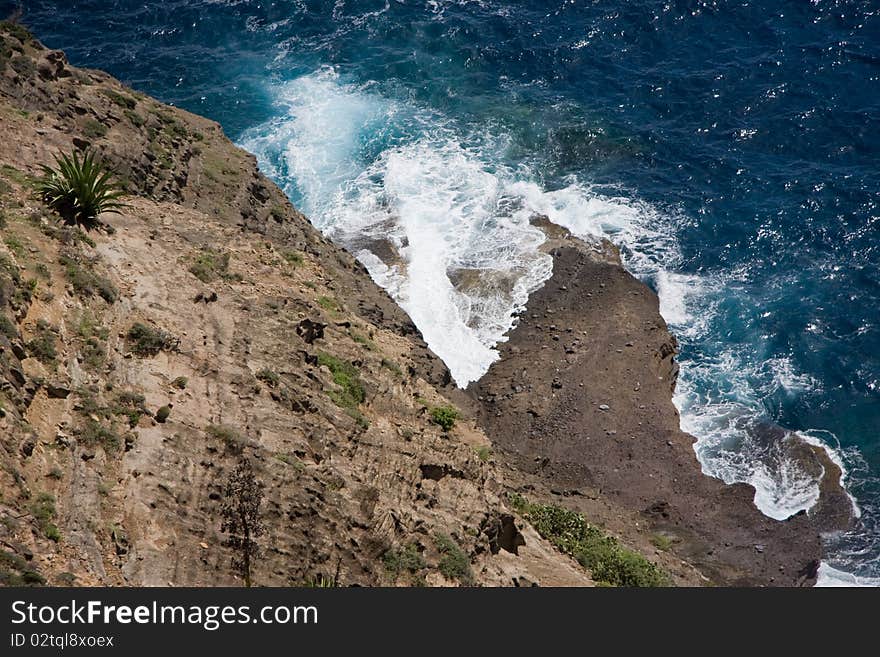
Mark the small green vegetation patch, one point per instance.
(609, 562)
(42, 345)
(329, 304)
(94, 433)
(93, 352)
(94, 129)
(81, 275)
(348, 378)
(228, 435)
(131, 405)
(17, 30)
(662, 542)
(269, 377)
(483, 453)
(16, 571)
(163, 414)
(402, 561)
(363, 340)
(136, 119)
(43, 510)
(7, 327)
(209, 265)
(148, 341)
(293, 258)
(445, 416)
(393, 367)
(123, 100)
(14, 244)
(454, 563)
(291, 460)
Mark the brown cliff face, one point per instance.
(581, 398)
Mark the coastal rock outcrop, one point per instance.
(581, 398)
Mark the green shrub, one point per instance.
(328, 303)
(89, 405)
(662, 542)
(84, 280)
(24, 292)
(291, 460)
(268, 377)
(94, 433)
(94, 129)
(10, 563)
(162, 414)
(209, 265)
(445, 416)
(123, 100)
(293, 258)
(136, 119)
(42, 346)
(15, 29)
(320, 582)
(43, 510)
(180, 383)
(392, 366)
(24, 66)
(14, 244)
(93, 354)
(405, 560)
(65, 579)
(131, 405)
(363, 340)
(483, 453)
(148, 341)
(131, 399)
(348, 378)
(454, 563)
(80, 188)
(43, 507)
(358, 417)
(7, 327)
(230, 436)
(608, 561)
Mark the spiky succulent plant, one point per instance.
(80, 188)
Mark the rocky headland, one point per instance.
(274, 345)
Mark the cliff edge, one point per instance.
(209, 323)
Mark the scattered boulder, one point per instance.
(310, 330)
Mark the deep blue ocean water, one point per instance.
(730, 148)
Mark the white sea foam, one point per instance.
(832, 577)
(312, 147)
(729, 444)
(459, 223)
(787, 378)
(823, 440)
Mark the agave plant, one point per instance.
(80, 188)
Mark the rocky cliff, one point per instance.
(209, 322)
